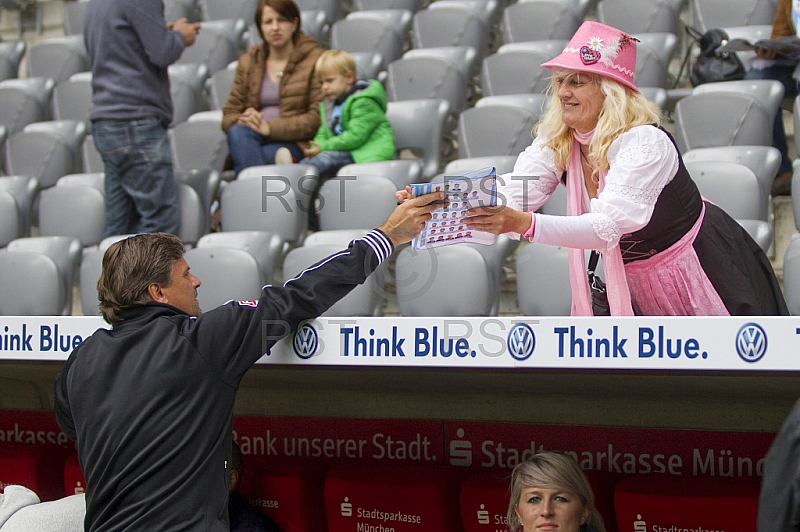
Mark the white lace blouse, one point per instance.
(642, 161)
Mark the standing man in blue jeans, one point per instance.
(131, 45)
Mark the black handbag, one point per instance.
(597, 288)
(711, 65)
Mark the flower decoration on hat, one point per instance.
(590, 52)
(614, 48)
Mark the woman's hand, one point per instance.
(765, 53)
(498, 220)
(253, 119)
(403, 195)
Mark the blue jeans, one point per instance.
(141, 193)
(328, 163)
(250, 148)
(781, 72)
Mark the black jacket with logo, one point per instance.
(150, 402)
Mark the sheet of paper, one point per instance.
(475, 189)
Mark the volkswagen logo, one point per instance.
(751, 342)
(521, 341)
(306, 341)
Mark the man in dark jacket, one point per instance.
(150, 402)
(779, 500)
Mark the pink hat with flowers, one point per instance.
(602, 50)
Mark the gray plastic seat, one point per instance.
(419, 125)
(732, 186)
(425, 284)
(76, 211)
(657, 95)
(256, 205)
(66, 254)
(343, 201)
(220, 85)
(95, 180)
(74, 16)
(9, 218)
(707, 14)
(90, 157)
(464, 57)
(72, 98)
(488, 11)
(25, 101)
(367, 35)
(198, 143)
(46, 150)
(543, 287)
(30, 285)
(414, 78)
(302, 178)
(226, 274)
(791, 276)
(227, 9)
(265, 246)
(364, 300)
(494, 130)
(24, 189)
(204, 181)
(535, 103)
(194, 216)
(316, 24)
(764, 161)
(219, 43)
(769, 92)
(501, 73)
(503, 164)
(332, 8)
(58, 58)
(541, 20)
(653, 57)
(369, 65)
(760, 231)
(450, 26)
(189, 9)
(11, 53)
(187, 82)
(401, 172)
(399, 19)
(547, 47)
(410, 5)
(635, 16)
(721, 119)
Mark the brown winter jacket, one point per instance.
(299, 91)
(782, 25)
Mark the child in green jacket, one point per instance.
(354, 125)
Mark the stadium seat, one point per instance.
(187, 83)
(732, 186)
(194, 216)
(25, 101)
(415, 78)
(399, 19)
(225, 273)
(367, 35)
(653, 56)
(58, 58)
(418, 125)
(450, 26)
(46, 150)
(342, 202)
(198, 142)
(227, 9)
(543, 287)
(707, 14)
(73, 210)
(541, 20)
(494, 130)
(401, 172)
(10, 218)
(11, 53)
(764, 161)
(791, 276)
(332, 8)
(21, 271)
(65, 252)
(501, 73)
(220, 42)
(650, 503)
(24, 189)
(760, 231)
(220, 86)
(425, 286)
(265, 246)
(352, 492)
(634, 16)
(72, 98)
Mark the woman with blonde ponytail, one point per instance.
(551, 492)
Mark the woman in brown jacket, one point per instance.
(274, 100)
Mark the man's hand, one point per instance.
(188, 29)
(765, 53)
(409, 217)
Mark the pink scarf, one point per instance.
(619, 297)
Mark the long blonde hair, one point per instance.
(622, 109)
